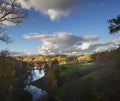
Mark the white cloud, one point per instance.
(63, 43)
(67, 43)
(116, 41)
(55, 14)
(90, 37)
(7, 23)
(53, 8)
(84, 46)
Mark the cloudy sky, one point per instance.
(63, 27)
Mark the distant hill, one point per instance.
(62, 59)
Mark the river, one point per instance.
(36, 92)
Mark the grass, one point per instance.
(74, 81)
(69, 68)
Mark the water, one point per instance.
(36, 92)
(35, 75)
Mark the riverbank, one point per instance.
(48, 83)
(63, 81)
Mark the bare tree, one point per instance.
(10, 12)
(3, 36)
(4, 53)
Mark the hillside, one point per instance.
(62, 59)
(71, 82)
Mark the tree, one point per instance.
(4, 53)
(71, 59)
(13, 73)
(10, 12)
(114, 25)
(4, 37)
(7, 77)
(54, 63)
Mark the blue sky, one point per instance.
(57, 26)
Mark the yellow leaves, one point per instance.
(84, 57)
(62, 59)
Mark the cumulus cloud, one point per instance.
(116, 41)
(65, 43)
(53, 8)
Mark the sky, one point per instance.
(69, 27)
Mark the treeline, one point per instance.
(12, 76)
(62, 59)
(108, 75)
(107, 58)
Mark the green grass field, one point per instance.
(69, 68)
(76, 81)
